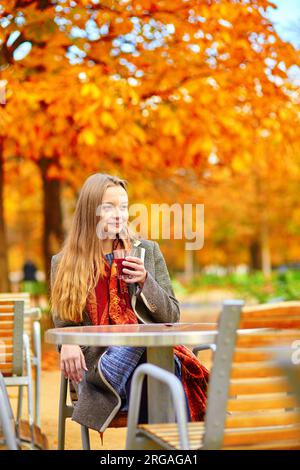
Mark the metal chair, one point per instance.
(32, 328)
(179, 402)
(291, 369)
(14, 351)
(250, 404)
(66, 411)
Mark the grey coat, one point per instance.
(98, 401)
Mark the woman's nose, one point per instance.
(117, 212)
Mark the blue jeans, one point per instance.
(143, 416)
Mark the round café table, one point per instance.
(159, 340)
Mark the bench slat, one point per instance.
(261, 403)
(258, 386)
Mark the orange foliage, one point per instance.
(149, 89)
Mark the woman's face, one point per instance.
(114, 210)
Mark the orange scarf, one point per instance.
(110, 303)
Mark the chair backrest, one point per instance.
(250, 402)
(11, 337)
(28, 320)
(7, 422)
(25, 296)
(291, 370)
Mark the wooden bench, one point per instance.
(250, 404)
(32, 328)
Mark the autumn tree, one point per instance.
(161, 86)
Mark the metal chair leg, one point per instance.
(6, 424)
(178, 397)
(66, 411)
(38, 362)
(20, 403)
(29, 386)
(28, 372)
(62, 412)
(85, 438)
(7, 418)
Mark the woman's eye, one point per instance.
(107, 208)
(110, 208)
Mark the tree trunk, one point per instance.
(53, 233)
(265, 250)
(255, 255)
(4, 280)
(262, 209)
(188, 265)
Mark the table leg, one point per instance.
(160, 407)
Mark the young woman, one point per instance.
(85, 290)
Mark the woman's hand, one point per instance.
(135, 269)
(72, 362)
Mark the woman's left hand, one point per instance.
(134, 267)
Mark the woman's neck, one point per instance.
(107, 246)
(110, 244)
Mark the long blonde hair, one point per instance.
(82, 257)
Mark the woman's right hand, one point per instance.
(72, 362)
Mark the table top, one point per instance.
(154, 334)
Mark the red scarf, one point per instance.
(110, 303)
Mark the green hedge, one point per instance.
(280, 286)
(34, 287)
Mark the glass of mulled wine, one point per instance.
(120, 256)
